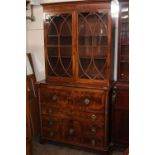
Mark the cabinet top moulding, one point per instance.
(76, 5)
(74, 2)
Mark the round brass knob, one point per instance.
(71, 131)
(93, 142)
(93, 129)
(93, 117)
(86, 101)
(122, 74)
(54, 97)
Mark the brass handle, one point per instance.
(93, 117)
(51, 134)
(71, 131)
(86, 101)
(50, 123)
(54, 97)
(122, 74)
(93, 142)
(93, 129)
(49, 110)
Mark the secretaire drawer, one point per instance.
(54, 112)
(87, 100)
(54, 97)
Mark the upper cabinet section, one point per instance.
(77, 42)
(123, 65)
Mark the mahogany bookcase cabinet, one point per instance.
(74, 98)
(120, 97)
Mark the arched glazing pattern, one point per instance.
(92, 49)
(59, 45)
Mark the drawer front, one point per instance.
(51, 133)
(93, 142)
(71, 130)
(54, 97)
(86, 100)
(89, 116)
(54, 112)
(93, 129)
(50, 122)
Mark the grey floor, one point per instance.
(49, 149)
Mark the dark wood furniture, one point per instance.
(33, 103)
(74, 98)
(120, 97)
(28, 125)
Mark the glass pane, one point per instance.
(124, 26)
(59, 45)
(124, 43)
(65, 40)
(52, 40)
(92, 41)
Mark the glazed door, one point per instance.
(58, 27)
(92, 46)
(123, 74)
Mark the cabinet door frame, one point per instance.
(56, 12)
(98, 7)
(122, 5)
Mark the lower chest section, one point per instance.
(74, 116)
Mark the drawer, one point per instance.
(93, 129)
(54, 97)
(71, 130)
(51, 133)
(50, 122)
(92, 141)
(88, 100)
(89, 116)
(54, 112)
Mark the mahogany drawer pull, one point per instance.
(93, 129)
(71, 131)
(93, 117)
(54, 97)
(93, 142)
(87, 101)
